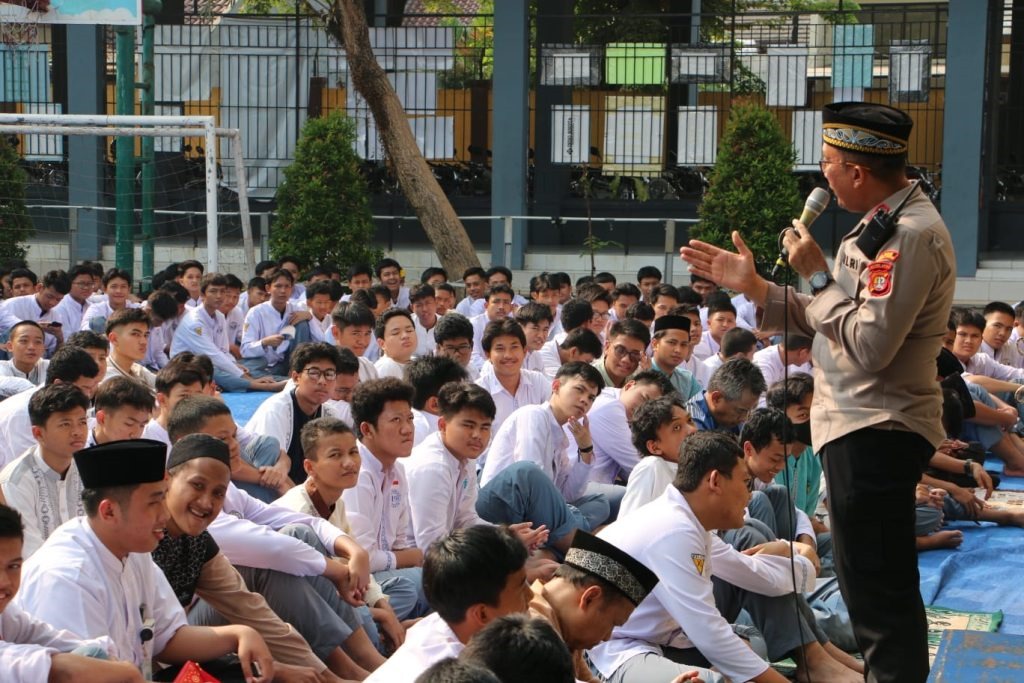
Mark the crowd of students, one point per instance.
(595, 481)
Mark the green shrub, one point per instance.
(15, 224)
(752, 187)
(323, 211)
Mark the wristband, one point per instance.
(588, 449)
(968, 465)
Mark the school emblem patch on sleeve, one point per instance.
(698, 562)
(879, 278)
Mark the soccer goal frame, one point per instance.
(157, 126)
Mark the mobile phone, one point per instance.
(256, 670)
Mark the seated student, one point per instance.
(475, 281)
(624, 295)
(497, 307)
(198, 473)
(500, 275)
(444, 296)
(396, 335)
(600, 302)
(647, 278)
(43, 483)
(123, 408)
(190, 275)
(96, 345)
(999, 327)
(128, 333)
(293, 266)
(451, 670)
(204, 331)
(802, 474)
(26, 344)
(520, 648)
(424, 308)
(663, 299)
(563, 283)
(314, 369)
(980, 368)
(454, 337)
(72, 307)
(658, 429)
(793, 352)
(685, 621)
(579, 345)
(379, 513)
(434, 276)
(38, 306)
(733, 391)
(332, 466)
(266, 349)
(624, 349)
(360, 276)
(22, 282)
(345, 383)
(615, 456)
(321, 298)
(721, 319)
(544, 292)
(94, 576)
(535, 320)
(736, 343)
(377, 299)
(255, 294)
(234, 316)
(69, 366)
(389, 273)
(179, 379)
(671, 348)
(427, 375)
(593, 591)
(471, 576)
(163, 316)
(32, 651)
(117, 285)
(352, 329)
(503, 376)
(534, 436)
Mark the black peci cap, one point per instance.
(866, 128)
(198, 446)
(597, 556)
(122, 463)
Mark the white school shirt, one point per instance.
(803, 522)
(378, 510)
(235, 319)
(319, 329)
(372, 352)
(100, 309)
(247, 533)
(37, 375)
(534, 388)
(156, 349)
(980, 364)
(263, 321)
(534, 361)
(442, 491)
(425, 343)
(698, 370)
(153, 430)
(136, 372)
(69, 313)
(74, 582)
(387, 367)
(27, 645)
(549, 358)
(426, 643)
(479, 322)
(424, 424)
(680, 612)
(44, 499)
(614, 452)
(367, 370)
(9, 386)
(532, 434)
(746, 312)
(707, 346)
(647, 481)
(206, 335)
(712, 363)
(1010, 354)
(16, 309)
(769, 361)
(465, 306)
(15, 426)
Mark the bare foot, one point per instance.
(815, 664)
(940, 539)
(844, 658)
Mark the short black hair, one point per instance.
(212, 280)
(604, 278)
(965, 317)
(348, 363)
(500, 288)
(428, 374)
(420, 292)
(630, 328)
(91, 498)
(736, 341)
(364, 297)
(688, 295)
(664, 290)
(322, 287)
(451, 670)
(502, 270)
(790, 391)
(533, 312)
(719, 302)
(314, 430)
(703, 452)
(116, 392)
(256, 283)
(519, 648)
(454, 397)
(115, 274)
(998, 307)
(288, 258)
(507, 327)
(444, 287)
(452, 325)
(127, 316)
(387, 263)
(306, 353)
(265, 265)
(647, 271)
(651, 416)
(10, 523)
(469, 566)
(69, 364)
(431, 272)
(190, 263)
(25, 273)
(177, 291)
(369, 398)
(583, 340)
(234, 282)
(584, 280)
(654, 378)
(86, 339)
(24, 323)
(763, 425)
(575, 313)
(279, 273)
(58, 281)
(541, 283)
(641, 311)
(192, 413)
(475, 270)
(797, 342)
(579, 370)
(359, 269)
(593, 292)
(382, 321)
(182, 369)
(560, 279)
(55, 398)
(626, 289)
(162, 305)
(349, 313)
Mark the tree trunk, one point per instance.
(346, 21)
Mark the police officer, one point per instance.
(877, 320)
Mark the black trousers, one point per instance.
(871, 475)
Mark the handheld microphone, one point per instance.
(816, 202)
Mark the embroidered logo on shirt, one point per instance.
(199, 331)
(879, 278)
(888, 255)
(698, 562)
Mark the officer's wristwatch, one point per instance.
(968, 466)
(819, 281)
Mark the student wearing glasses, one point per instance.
(625, 348)
(732, 393)
(72, 307)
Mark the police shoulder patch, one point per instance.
(879, 278)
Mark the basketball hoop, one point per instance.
(15, 32)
